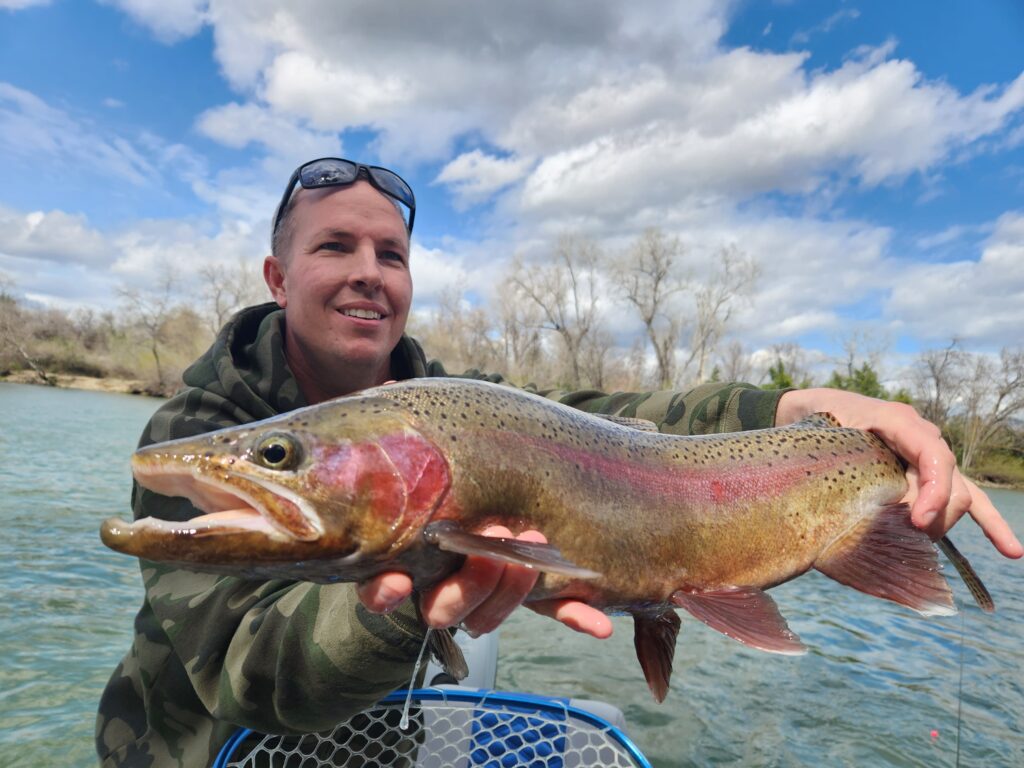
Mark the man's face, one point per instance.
(344, 283)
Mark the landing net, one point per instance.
(448, 728)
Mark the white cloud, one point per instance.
(53, 236)
(238, 125)
(30, 129)
(169, 20)
(18, 5)
(980, 301)
(475, 176)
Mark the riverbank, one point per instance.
(89, 383)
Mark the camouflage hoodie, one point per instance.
(212, 653)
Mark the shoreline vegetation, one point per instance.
(988, 477)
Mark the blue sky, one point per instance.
(869, 155)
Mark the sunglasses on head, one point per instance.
(336, 172)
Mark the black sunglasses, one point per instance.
(335, 172)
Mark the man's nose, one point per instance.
(365, 268)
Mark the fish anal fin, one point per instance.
(886, 556)
(654, 636)
(448, 654)
(970, 578)
(543, 557)
(746, 614)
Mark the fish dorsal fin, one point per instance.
(886, 556)
(544, 557)
(746, 614)
(654, 636)
(644, 425)
(970, 578)
(448, 654)
(820, 419)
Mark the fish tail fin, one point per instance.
(886, 556)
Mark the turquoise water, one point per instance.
(877, 681)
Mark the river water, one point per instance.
(880, 686)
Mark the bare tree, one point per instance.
(649, 278)
(460, 335)
(228, 288)
(565, 290)
(734, 363)
(994, 394)
(520, 329)
(716, 300)
(150, 309)
(939, 379)
(14, 333)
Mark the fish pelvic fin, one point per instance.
(544, 557)
(654, 636)
(967, 573)
(886, 556)
(746, 614)
(448, 654)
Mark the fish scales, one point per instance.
(563, 469)
(402, 477)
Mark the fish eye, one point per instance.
(277, 452)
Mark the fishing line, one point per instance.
(404, 722)
(960, 687)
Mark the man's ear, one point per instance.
(273, 275)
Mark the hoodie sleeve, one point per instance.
(709, 408)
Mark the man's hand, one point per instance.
(939, 495)
(481, 595)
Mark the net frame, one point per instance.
(449, 728)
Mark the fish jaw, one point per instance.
(344, 499)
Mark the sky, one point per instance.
(868, 154)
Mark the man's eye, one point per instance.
(331, 246)
(392, 256)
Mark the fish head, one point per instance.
(351, 480)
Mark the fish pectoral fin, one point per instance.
(888, 557)
(746, 614)
(654, 636)
(543, 557)
(644, 425)
(967, 573)
(448, 654)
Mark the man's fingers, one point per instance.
(575, 615)
(992, 523)
(452, 599)
(515, 584)
(383, 593)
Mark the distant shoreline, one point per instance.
(89, 383)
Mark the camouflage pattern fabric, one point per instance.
(212, 653)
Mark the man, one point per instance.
(213, 652)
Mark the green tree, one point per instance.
(864, 380)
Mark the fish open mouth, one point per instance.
(232, 503)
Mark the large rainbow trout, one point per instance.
(402, 476)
